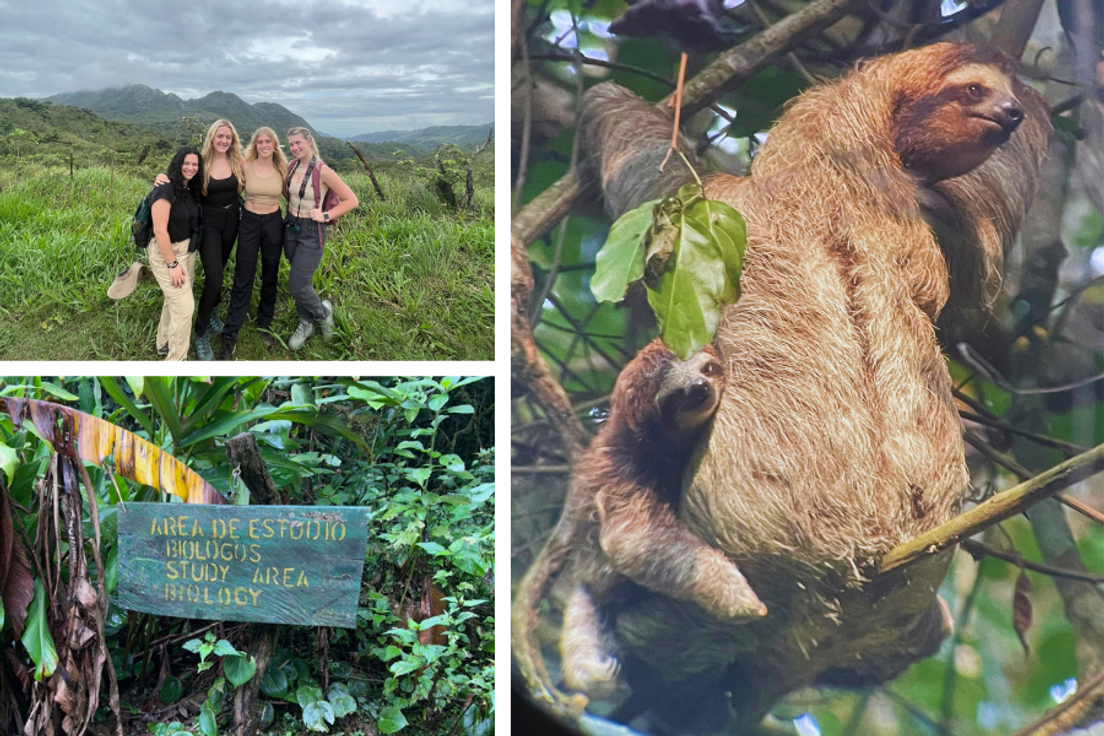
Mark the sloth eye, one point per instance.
(975, 90)
(711, 369)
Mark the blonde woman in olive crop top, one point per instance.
(261, 233)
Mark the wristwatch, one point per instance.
(325, 216)
(174, 264)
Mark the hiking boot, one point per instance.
(127, 280)
(268, 339)
(302, 332)
(203, 347)
(226, 351)
(163, 351)
(327, 324)
(215, 324)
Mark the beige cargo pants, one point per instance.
(175, 329)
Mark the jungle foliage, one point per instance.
(417, 452)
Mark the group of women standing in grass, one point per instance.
(207, 201)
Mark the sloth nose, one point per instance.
(698, 392)
(1010, 114)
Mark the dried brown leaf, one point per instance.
(1021, 608)
(16, 581)
(135, 458)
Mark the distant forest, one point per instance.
(58, 134)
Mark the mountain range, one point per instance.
(152, 108)
(461, 135)
(161, 111)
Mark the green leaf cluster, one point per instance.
(689, 250)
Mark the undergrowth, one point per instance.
(409, 278)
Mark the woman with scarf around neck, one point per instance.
(261, 232)
(305, 232)
(175, 215)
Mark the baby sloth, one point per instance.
(619, 522)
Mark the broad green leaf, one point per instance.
(461, 409)
(690, 297)
(307, 694)
(268, 714)
(9, 461)
(36, 637)
(391, 720)
(480, 493)
(224, 648)
(404, 667)
(436, 403)
(341, 700)
(418, 475)
(274, 684)
(317, 714)
(171, 690)
(239, 669)
(137, 385)
(207, 724)
(433, 548)
(620, 262)
(301, 395)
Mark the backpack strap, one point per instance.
(316, 182)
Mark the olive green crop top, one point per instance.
(260, 189)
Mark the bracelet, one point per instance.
(174, 264)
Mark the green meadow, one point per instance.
(410, 279)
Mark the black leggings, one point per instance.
(220, 229)
(261, 235)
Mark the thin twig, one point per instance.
(998, 508)
(977, 549)
(1069, 449)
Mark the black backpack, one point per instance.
(141, 229)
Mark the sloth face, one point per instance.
(689, 393)
(956, 127)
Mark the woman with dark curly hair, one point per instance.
(175, 214)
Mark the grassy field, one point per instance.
(409, 280)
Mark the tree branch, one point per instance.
(528, 366)
(998, 508)
(727, 70)
(977, 549)
(1055, 713)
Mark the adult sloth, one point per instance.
(836, 438)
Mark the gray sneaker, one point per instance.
(203, 347)
(327, 324)
(302, 332)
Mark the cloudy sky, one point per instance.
(347, 66)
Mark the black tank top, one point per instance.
(221, 192)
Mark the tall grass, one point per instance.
(409, 280)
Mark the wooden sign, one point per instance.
(276, 564)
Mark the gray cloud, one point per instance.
(347, 67)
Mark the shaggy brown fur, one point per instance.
(619, 512)
(836, 437)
